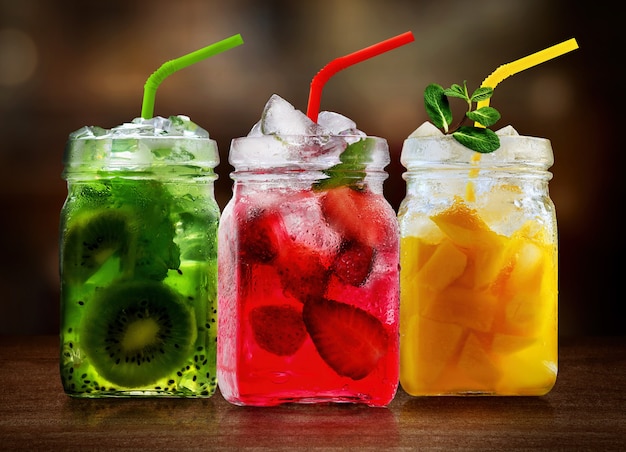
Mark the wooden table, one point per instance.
(586, 410)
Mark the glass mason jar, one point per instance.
(138, 261)
(308, 273)
(478, 276)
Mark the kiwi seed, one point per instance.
(135, 333)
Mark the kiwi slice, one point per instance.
(137, 229)
(135, 333)
(92, 239)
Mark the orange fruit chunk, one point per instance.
(427, 349)
(464, 307)
(445, 265)
(483, 247)
(478, 364)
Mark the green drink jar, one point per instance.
(138, 253)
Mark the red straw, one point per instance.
(340, 63)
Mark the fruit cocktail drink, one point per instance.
(479, 253)
(478, 267)
(308, 265)
(138, 261)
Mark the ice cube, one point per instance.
(256, 130)
(142, 142)
(337, 124)
(182, 125)
(88, 132)
(174, 126)
(427, 129)
(177, 126)
(304, 223)
(130, 129)
(281, 118)
(507, 131)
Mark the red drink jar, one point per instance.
(308, 298)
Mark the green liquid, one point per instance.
(121, 232)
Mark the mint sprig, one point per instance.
(479, 139)
(352, 167)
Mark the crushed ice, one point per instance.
(174, 126)
(427, 129)
(507, 131)
(281, 118)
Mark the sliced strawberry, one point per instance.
(301, 271)
(260, 235)
(278, 329)
(357, 214)
(353, 263)
(350, 340)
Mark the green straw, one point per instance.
(169, 67)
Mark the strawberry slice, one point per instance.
(278, 329)
(353, 263)
(260, 235)
(350, 340)
(357, 215)
(301, 271)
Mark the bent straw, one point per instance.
(320, 79)
(169, 67)
(508, 69)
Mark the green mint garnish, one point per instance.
(155, 250)
(351, 170)
(479, 139)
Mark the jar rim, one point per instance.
(309, 152)
(515, 150)
(139, 153)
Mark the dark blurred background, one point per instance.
(66, 64)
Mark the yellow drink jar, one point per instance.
(478, 276)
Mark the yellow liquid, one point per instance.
(478, 310)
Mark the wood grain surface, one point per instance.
(586, 410)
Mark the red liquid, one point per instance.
(308, 298)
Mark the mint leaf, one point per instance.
(487, 116)
(351, 170)
(477, 139)
(154, 251)
(457, 91)
(481, 94)
(437, 106)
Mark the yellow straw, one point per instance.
(506, 70)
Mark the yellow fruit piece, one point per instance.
(465, 307)
(414, 252)
(530, 292)
(532, 371)
(427, 348)
(484, 265)
(477, 363)
(483, 247)
(529, 266)
(445, 265)
(537, 232)
(463, 225)
(413, 296)
(508, 343)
